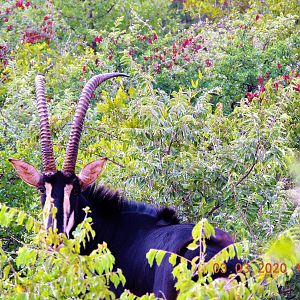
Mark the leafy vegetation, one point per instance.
(208, 123)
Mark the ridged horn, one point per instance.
(81, 109)
(45, 133)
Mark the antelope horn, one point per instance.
(45, 133)
(81, 109)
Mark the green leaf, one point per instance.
(159, 256)
(192, 246)
(29, 223)
(114, 278)
(173, 259)
(150, 256)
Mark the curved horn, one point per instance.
(45, 133)
(82, 106)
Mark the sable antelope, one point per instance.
(130, 228)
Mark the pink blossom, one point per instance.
(19, 4)
(260, 80)
(157, 68)
(251, 95)
(98, 39)
(186, 58)
(208, 63)
(297, 87)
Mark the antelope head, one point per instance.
(61, 189)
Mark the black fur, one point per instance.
(131, 229)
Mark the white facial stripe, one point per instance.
(70, 224)
(48, 204)
(67, 205)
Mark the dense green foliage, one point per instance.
(208, 123)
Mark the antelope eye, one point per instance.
(42, 189)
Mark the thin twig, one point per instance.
(252, 166)
(116, 163)
(174, 136)
(247, 173)
(48, 68)
(107, 11)
(213, 209)
(111, 160)
(241, 211)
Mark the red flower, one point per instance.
(174, 48)
(185, 43)
(19, 4)
(131, 51)
(294, 72)
(49, 23)
(262, 88)
(197, 48)
(146, 58)
(297, 87)
(141, 37)
(286, 77)
(279, 66)
(84, 69)
(186, 58)
(98, 39)
(276, 85)
(251, 96)
(9, 28)
(27, 4)
(257, 17)
(110, 57)
(157, 68)
(46, 18)
(6, 20)
(260, 80)
(208, 63)
(154, 37)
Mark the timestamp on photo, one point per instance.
(262, 268)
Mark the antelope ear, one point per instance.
(90, 172)
(26, 171)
